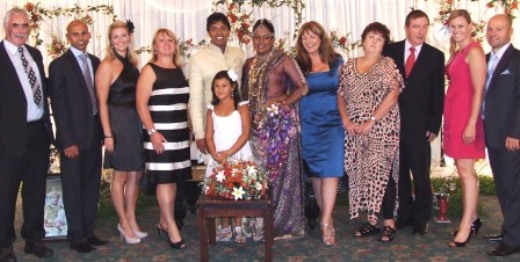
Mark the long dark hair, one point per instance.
(224, 75)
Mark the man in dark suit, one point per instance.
(501, 113)
(25, 136)
(420, 104)
(78, 136)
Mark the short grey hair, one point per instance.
(14, 11)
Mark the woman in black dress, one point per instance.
(116, 79)
(162, 103)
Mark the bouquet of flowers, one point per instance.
(236, 180)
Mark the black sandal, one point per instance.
(366, 230)
(388, 234)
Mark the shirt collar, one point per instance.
(407, 46)
(500, 52)
(215, 48)
(76, 51)
(11, 48)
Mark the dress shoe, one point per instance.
(96, 241)
(420, 229)
(83, 247)
(493, 237)
(7, 255)
(503, 250)
(38, 249)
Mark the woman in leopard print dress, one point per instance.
(370, 86)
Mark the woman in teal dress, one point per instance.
(322, 130)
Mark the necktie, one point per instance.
(410, 61)
(492, 64)
(33, 81)
(90, 84)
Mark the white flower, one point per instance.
(231, 73)
(258, 186)
(220, 176)
(238, 193)
(251, 170)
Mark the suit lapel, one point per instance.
(422, 59)
(4, 58)
(502, 64)
(73, 61)
(399, 58)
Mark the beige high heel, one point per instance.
(328, 234)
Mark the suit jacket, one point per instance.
(13, 105)
(422, 100)
(502, 108)
(71, 104)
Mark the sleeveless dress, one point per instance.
(124, 122)
(322, 129)
(457, 110)
(168, 106)
(227, 129)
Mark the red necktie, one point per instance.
(410, 61)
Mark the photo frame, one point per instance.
(54, 219)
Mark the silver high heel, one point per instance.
(128, 240)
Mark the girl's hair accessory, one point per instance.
(231, 73)
(130, 26)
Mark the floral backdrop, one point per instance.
(345, 19)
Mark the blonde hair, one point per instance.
(454, 14)
(177, 59)
(130, 54)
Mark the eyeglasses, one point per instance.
(264, 37)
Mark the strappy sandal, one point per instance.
(366, 230)
(388, 234)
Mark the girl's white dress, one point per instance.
(226, 130)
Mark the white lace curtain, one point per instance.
(187, 18)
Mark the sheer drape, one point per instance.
(187, 18)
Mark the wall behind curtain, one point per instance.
(187, 18)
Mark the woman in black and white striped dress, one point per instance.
(162, 102)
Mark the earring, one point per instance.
(232, 94)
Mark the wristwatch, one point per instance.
(373, 118)
(151, 131)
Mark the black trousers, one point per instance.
(506, 172)
(81, 178)
(31, 169)
(415, 160)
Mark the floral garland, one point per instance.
(36, 14)
(509, 5)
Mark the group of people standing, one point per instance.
(371, 117)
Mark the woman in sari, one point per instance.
(272, 82)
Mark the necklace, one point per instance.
(256, 73)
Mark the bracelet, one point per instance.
(151, 131)
(110, 136)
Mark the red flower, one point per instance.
(29, 7)
(35, 17)
(490, 5)
(233, 18)
(343, 41)
(514, 5)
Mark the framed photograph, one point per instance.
(54, 220)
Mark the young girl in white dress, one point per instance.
(227, 133)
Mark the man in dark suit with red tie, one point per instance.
(25, 136)
(78, 135)
(501, 114)
(420, 106)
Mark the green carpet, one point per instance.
(406, 247)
